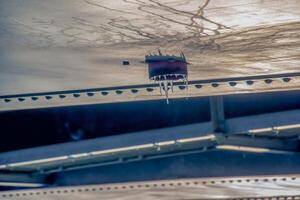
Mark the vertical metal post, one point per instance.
(217, 114)
(166, 88)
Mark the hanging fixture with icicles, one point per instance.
(166, 69)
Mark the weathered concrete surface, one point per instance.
(57, 45)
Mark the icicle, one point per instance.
(159, 52)
(165, 85)
(186, 83)
(160, 86)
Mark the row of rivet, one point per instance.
(134, 91)
(76, 95)
(154, 185)
(269, 198)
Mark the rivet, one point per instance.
(134, 90)
(198, 86)
(34, 98)
(181, 87)
(215, 84)
(90, 94)
(268, 81)
(76, 95)
(149, 89)
(232, 83)
(249, 82)
(21, 99)
(286, 79)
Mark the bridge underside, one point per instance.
(202, 141)
(234, 134)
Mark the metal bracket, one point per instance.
(217, 114)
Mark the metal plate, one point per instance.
(277, 187)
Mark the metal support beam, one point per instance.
(217, 114)
(115, 155)
(287, 131)
(19, 179)
(207, 81)
(267, 120)
(292, 145)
